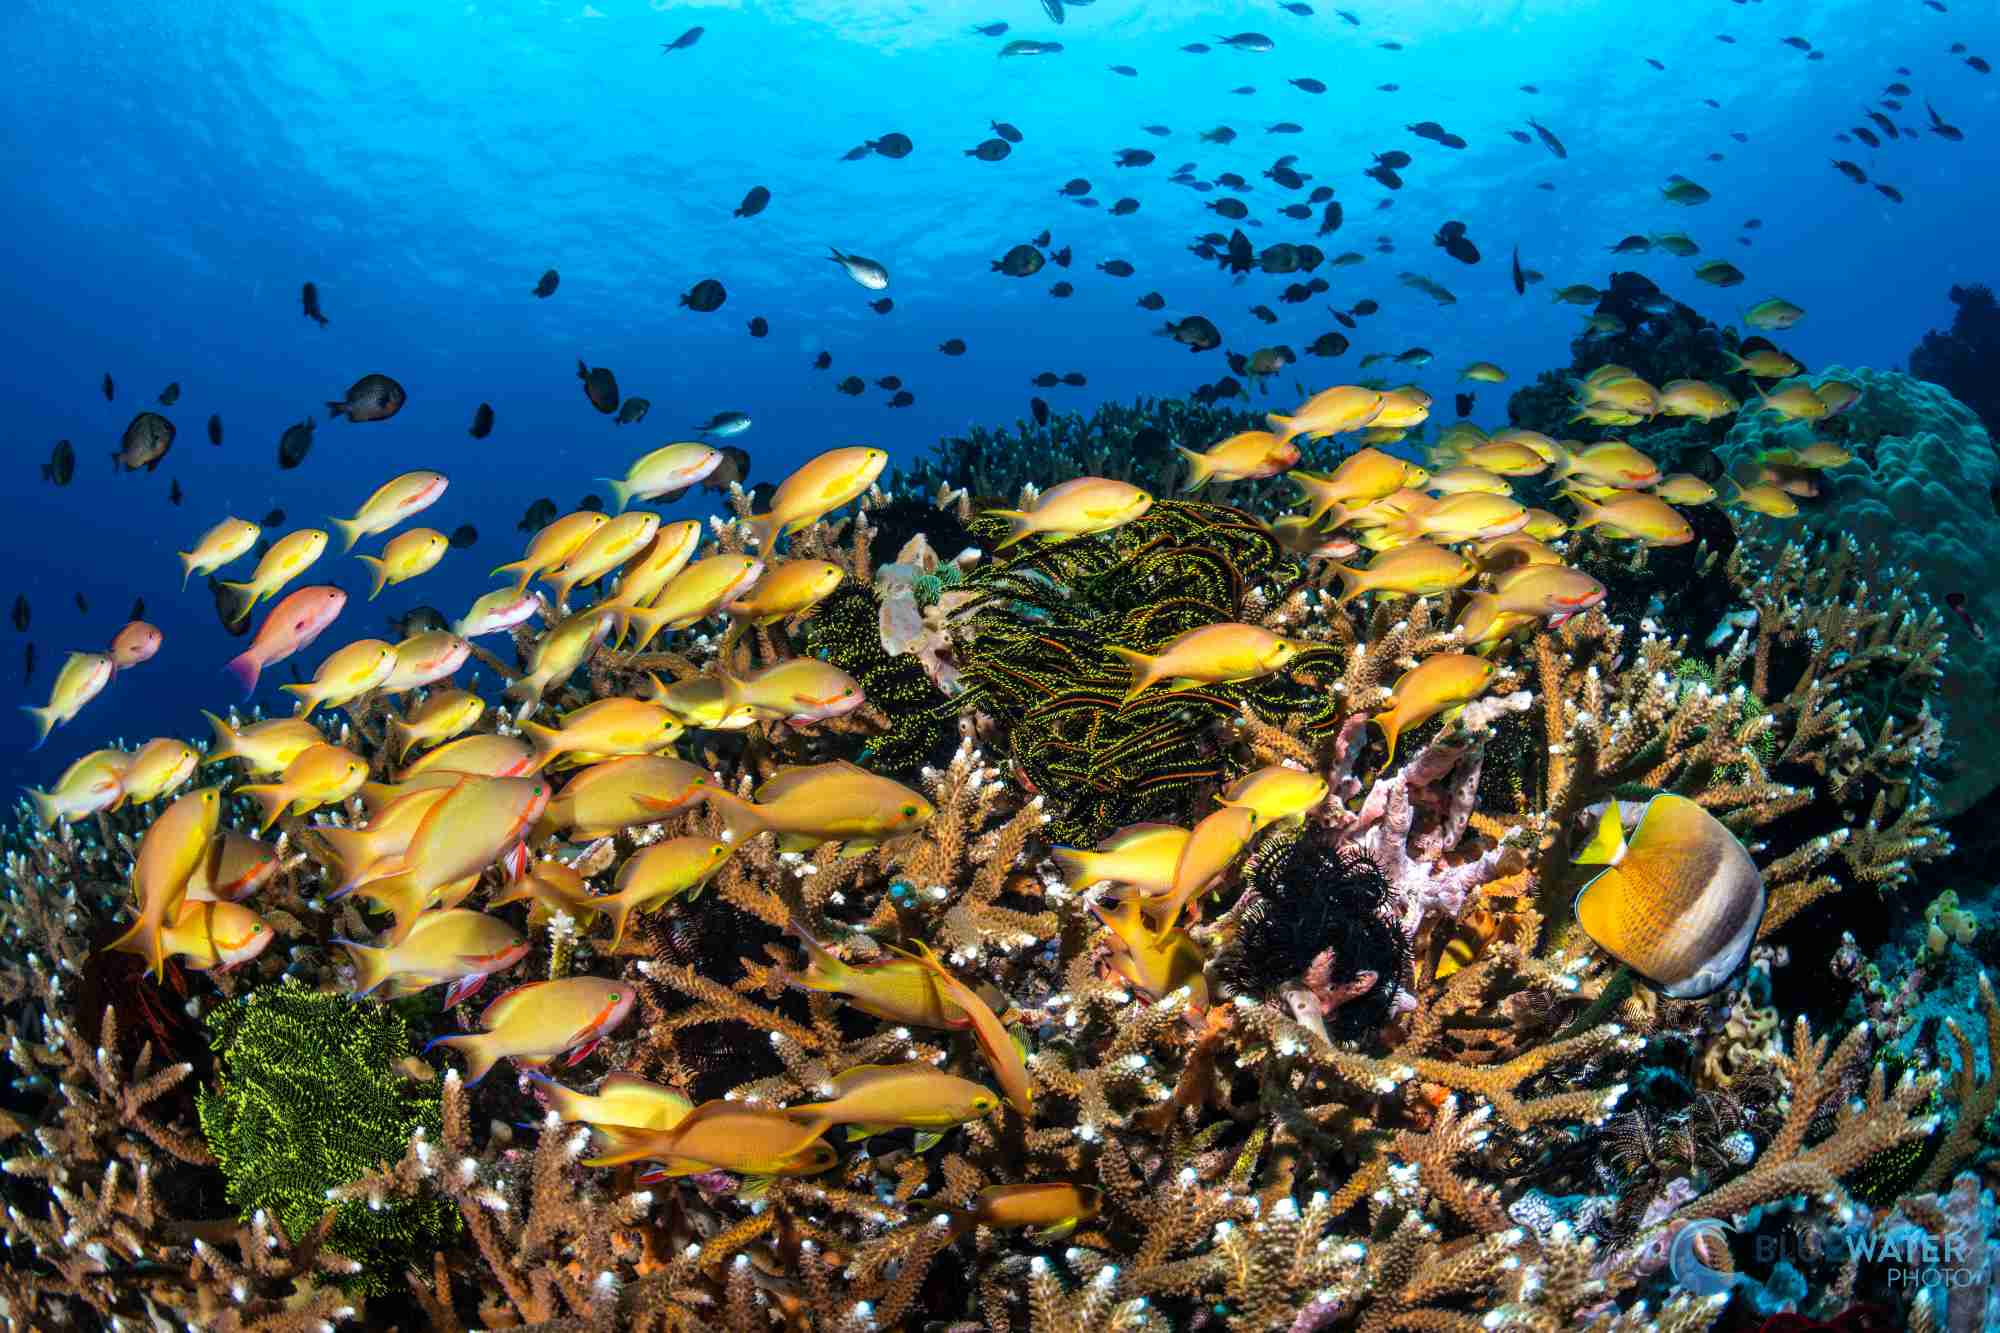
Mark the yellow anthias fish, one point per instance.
(218, 546)
(673, 467)
(1279, 794)
(788, 588)
(622, 1099)
(1157, 962)
(1533, 441)
(320, 775)
(393, 501)
(1765, 363)
(832, 802)
(1295, 532)
(535, 1023)
(1679, 904)
(801, 691)
(1003, 1056)
(1140, 855)
(1798, 403)
(82, 678)
(478, 822)
(1054, 1210)
(158, 767)
(1076, 508)
(459, 947)
(1402, 409)
(264, 747)
(696, 593)
(1547, 590)
(1816, 455)
(1696, 398)
(1506, 458)
(347, 673)
(1612, 463)
(1244, 456)
(1443, 684)
(173, 844)
(93, 783)
(719, 1135)
(818, 488)
(623, 538)
(407, 555)
(1513, 551)
(655, 567)
(1485, 626)
(549, 887)
(1465, 477)
(1384, 434)
(1635, 515)
(1468, 517)
(658, 873)
(487, 756)
(499, 610)
(1421, 569)
(1212, 847)
(236, 866)
(620, 793)
(559, 652)
(1483, 372)
(614, 726)
(425, 659)
(1773, 314)
(899, 990)
(1623, 393)
(290, 556)
(1684, 488)
(1335, 411)
(553, 545)
(702, 701)
(1363, 476)
(1544, 526)
(1838, 395)
(1763, 497)
(441, 716)
(216, 936)
(874, 1099)
(382, 841)
(377, 797)
(1212, 655)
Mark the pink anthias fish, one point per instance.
(134, 644)
(289, 626)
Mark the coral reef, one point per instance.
(1964, 360)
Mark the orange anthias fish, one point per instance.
(1003, 1056)
(874, 1099)
(800, 691)
(382, 841)
(1277, 793)
(668, 469)
(901, 990)
(487, 756)
(236, 866)
(460, 947)
(553, 545)
(614, 726)
(93, 783)
(172, 847)
(1637, 516)
(1364, 476)
(1245, 456)
(216, 936)
(1211, 849)
(1156, 961)
(1140, 855)
(1053, 1209)
(822, 485)
(289, 626)
(619, 793)
(321, 775)
(158, 767)
(656, 874)
(135, 643)
(789, 588)
(696, 593)
(476, 823)
(1212, 655)
(1335, 411)
(551, 887)
(425, 659)
(623, 538)
(646, 573)
(1075, 508)
(832, 802)
(1680, 904)
(1444, 684)
(720, 1135)
(535, 1023)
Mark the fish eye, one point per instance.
(256, 930)
(910, 812)
(615, 997)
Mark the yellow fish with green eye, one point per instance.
(1483, 372)
(670, 468)
(1003, 1056)
(610, 727)
(1244, 456)
(623, 538)
(1467, 517)
(819, 803)
(552, 545)
(622, 1099)
(1544, 526)
(1444, 683)
(1838, 395)
(696, 593)
(551, 887)
(1798, 403)
(1696, 398)
(875, 1099)
(1402, 409)
(158, 767)
(218, 546)
(646, 573)
(393, 501)
(702, 701)
(290, 556)
(1609, 463)
(1076, 508)
(460, 947)
(264, 747)
(1763, 497)
(1684, 488)
(476, 823)
(320, 775)
(620, 793)
(1212, 655)
(541, 1021)
(1363, 476)
(425, 659)
(1679, 904)
(347, 673)
(82, 678)
(237, 865)
(407, 555)
(1142, 856)
(1764, 363)
(899, 990)
(1465, 477)
(1546, 590)
(719, 1136)
(440, 717)
(1278, 793)
(383, 840)
(1636, 516)
(1506, 458)
(1212, 847)
(1335, 411)
(798, 692)
(788, 588)
(488, 756)
(1054, 1210)
(820, 486)
(658, 873)
(1156, 961)
(173, 845)
(1421, 569)
(216, 936)
(561, 649)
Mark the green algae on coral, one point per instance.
(308, 1100)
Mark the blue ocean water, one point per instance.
(176, 171)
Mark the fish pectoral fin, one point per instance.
(928, 1139)
(753, 1188)
(464, 989)
(1056, 1232)
(854, 847)
(581, 1053)
(855, 1133)
(1180, 683)
(797, 842)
